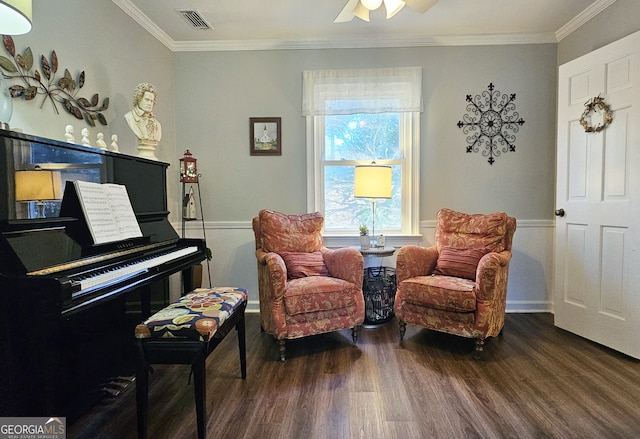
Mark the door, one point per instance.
(597, 246)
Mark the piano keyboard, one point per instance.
(120, 273)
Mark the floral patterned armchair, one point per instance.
(304, 287)
(459, 285)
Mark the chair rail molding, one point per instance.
(530, 274)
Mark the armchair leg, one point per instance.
(354, 333)
(282, 349)
(403, 329)
(479, 348)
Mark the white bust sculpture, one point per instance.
(85, 136)
(142, 121)
(114, 142)
(100, 143)
(68, 134)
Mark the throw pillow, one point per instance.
(463, 230)
(304, 264)
(459, 262)
(290, 233)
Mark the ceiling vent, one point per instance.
(194, 18)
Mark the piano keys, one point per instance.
(68, 308)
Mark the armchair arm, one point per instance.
(345, 263)
(272, 265)
(413, 261)
(491, 275)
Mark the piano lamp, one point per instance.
(38, 185)
(188, 168)
(372, 181)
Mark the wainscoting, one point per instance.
(530, 274)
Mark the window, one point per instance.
(356, 117)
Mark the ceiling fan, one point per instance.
(361, 8)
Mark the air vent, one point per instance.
(194, 18)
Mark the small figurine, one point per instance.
(68, 134)
(189, 205)
(85, 136)
(100, 141)
(114, 142)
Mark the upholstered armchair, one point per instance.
(305, 288)
(459, 285)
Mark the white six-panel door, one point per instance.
(597, 247)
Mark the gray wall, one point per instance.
(116, 54)
(620, 19)
(207, 98)
(240, 85)
(227, 88)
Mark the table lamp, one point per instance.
(372, 181)
(15, 19)
(38, 185)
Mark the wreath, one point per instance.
(596, 104)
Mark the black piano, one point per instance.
(68, 308)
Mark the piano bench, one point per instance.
(186, 332)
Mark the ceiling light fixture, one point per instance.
(361, 8)
(371, 5)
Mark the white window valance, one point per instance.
(350, 91)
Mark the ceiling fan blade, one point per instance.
(420, 6)
(348, 12)
(361, 12)
(393, 7)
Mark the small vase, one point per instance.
(365, 242)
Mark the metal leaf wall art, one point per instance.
(59, 90)
(491, 123)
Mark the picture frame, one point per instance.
(265, 136)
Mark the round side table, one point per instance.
(378, 288)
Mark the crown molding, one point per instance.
(594, 9)
(363, 43)
(368, 42)
(141, 18)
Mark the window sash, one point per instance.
(409, 145)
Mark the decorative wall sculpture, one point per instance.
(491, 123)
(62, 90)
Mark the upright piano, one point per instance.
(68, 308)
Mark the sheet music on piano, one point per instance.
(108, 211)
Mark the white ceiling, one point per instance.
(299, 24)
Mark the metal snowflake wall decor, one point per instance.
(491, 123)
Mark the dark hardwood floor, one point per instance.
(535, 381)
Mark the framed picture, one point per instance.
(265, 136)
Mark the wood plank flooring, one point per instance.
(535, 381)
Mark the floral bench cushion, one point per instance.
(195, 316)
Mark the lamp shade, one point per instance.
(372, 181)
(15, 17)
(38, 185)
